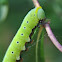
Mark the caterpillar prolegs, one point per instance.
(22, 36)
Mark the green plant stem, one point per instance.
(39, 33)
(42, 47)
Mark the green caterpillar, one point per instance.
(22, 36)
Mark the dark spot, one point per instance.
(22, 34)
(34, 14)
(17, 60)
(12, 52)
(17, 42)
(27, 21)
(24, 27)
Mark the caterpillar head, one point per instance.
(41, 14)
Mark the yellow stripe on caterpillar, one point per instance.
(37, 9)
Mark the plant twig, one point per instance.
(42, 46)
(52, 37)
(49, 31)
(36, 3)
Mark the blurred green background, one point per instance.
(17, 10)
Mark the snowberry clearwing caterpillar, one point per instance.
(22, 36)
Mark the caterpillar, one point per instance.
(22, 36)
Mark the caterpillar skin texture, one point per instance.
(22, 36)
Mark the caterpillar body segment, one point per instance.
(22, 36)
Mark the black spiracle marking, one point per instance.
(27, 22)
(22, 34)
(17, 42)
(24, 27)
(12, 52)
